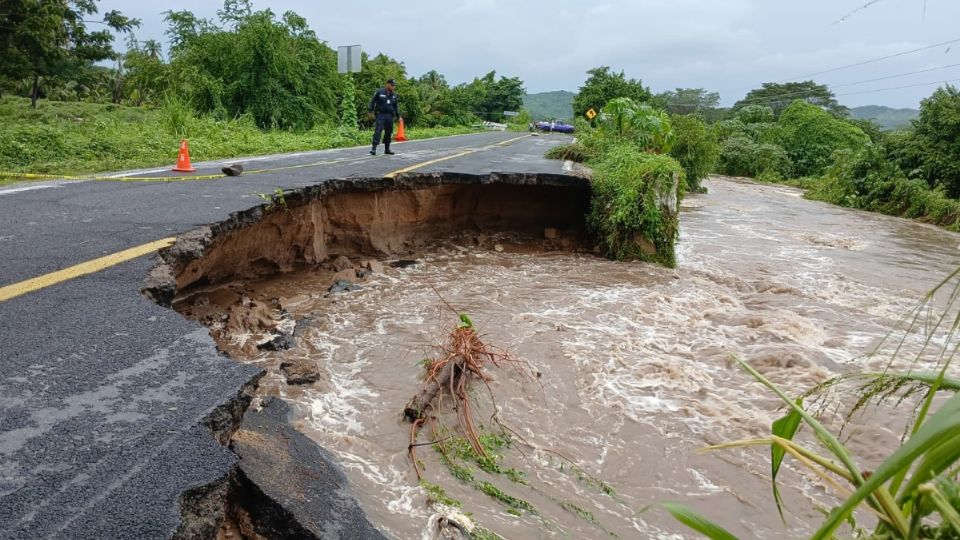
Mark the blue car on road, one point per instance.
(555, 126)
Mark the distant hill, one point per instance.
(550, 105)
(887, 117)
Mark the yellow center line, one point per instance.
(393, 174)
(34, 284)
(82, 269)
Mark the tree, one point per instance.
(486, 97)
(689, 101)
(144, 76)
(373, 74)
(742, 156)
(811, 135)
(435, 102)
(695, 148)
(49, 39)
(754, 114)
(602, 86)
(648, 128)
(183, 26)
(506, 94)
(935, 142)
(274, 69)
(779, 96)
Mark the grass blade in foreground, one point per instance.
(939, 429)
(697, 522)
(883, 498)
(786, 428)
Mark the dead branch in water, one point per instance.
(461, 359)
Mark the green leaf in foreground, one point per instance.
(786, 428)
(937, 439)
(697, 522)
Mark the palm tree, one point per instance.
(151, 48)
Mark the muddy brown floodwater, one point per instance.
(635, 363)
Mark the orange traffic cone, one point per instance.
(183, 159)
(401, 136)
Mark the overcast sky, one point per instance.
(728, 46)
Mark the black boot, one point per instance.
(373, 150)
(387, 151)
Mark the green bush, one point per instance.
(765, 133)
(695, 147)
(742, 156)
(811, 135)
(755, 114)
(867, 179)
(631, 215)
(273, 69)
(725, 129)
(935, 144)
(575, 151)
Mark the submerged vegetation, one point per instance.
(472, 453)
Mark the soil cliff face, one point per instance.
(368, 216)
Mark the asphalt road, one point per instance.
(102, 392)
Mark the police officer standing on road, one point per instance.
(384, 106)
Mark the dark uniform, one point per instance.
(384, 106)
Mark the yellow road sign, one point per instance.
(591, 114)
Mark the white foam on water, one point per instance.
(643, 353)
(339, 410)
(704, 484)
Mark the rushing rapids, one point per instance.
(634, 360)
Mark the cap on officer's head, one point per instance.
(391, 81)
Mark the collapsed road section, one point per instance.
(283, 485)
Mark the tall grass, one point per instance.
(73, 138)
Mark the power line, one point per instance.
(802, 93)
(894, 76)
(859, 9)
(874, 60)
(898, 87)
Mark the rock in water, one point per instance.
(348, 274)
(279, 343)
(233, 170)
(374, 266)
(300, 371)
(343, 285)
(341, 263)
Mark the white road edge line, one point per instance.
(28, 188)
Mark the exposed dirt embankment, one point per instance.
(368, 216)
(208, 274)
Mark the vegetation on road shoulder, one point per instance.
(637, 184)
(79, 138)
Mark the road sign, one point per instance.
(348, 59)
(511, 113)
(591, 114)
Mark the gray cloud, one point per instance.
(729, 46)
